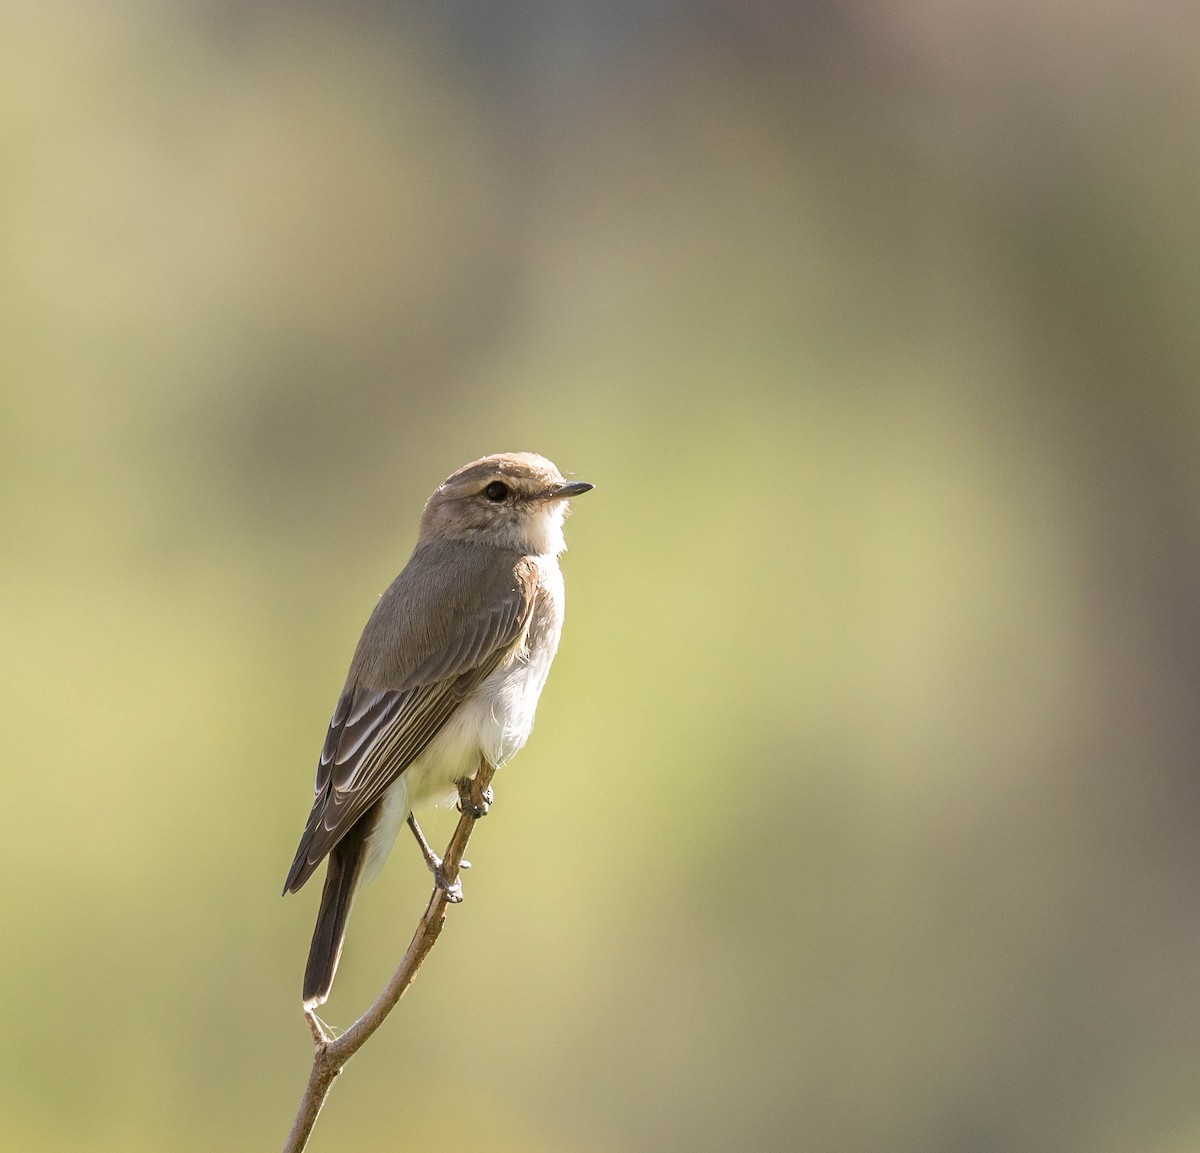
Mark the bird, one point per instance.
(447, 673)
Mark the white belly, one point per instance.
(494, 722)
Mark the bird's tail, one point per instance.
(341, 879)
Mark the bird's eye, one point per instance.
(496, 491)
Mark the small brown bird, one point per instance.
(448, 671)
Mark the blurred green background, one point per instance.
(861, 812)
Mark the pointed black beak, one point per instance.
(568, 490)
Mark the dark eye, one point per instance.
(496, 491)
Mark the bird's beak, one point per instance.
(568, 490)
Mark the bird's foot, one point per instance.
(453, 890)
(467, 802)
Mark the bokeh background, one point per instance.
(862, 809)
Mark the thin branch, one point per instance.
(330, 1053)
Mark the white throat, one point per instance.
(544, 532)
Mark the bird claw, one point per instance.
(453, 891)
(467, 803)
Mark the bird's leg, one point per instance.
(473, 803)
(431, 858)
(453, 892)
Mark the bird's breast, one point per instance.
(502, 710)
(496, 719)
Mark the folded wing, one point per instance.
(377, 732)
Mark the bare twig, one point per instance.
(331, 1053)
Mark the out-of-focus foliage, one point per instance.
(862, 810)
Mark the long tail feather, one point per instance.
(341, 880)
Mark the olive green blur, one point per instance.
(862, 810)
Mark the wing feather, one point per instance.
(377, 731)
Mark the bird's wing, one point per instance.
(376, 733)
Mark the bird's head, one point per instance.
(514, 500)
